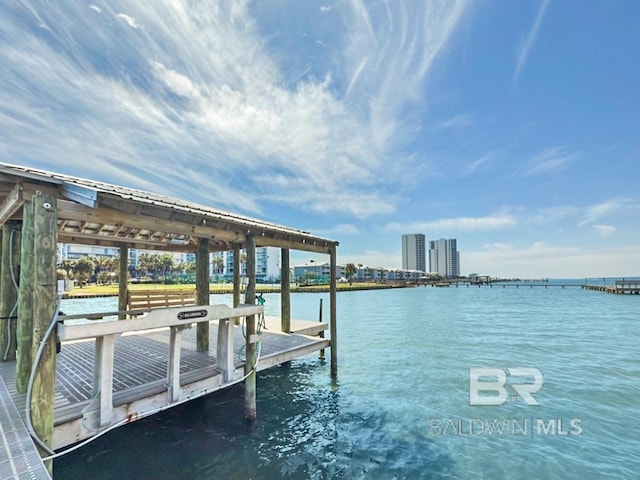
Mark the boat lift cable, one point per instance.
(259, 326)
(52, 455)
(34, 369)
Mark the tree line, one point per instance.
(105, 270)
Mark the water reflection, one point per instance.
(305, 430)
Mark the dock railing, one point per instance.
(100, 411)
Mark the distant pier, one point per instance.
(620, 287)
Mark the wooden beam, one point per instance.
(191, 225)
(203, 291)
(156, 318)
(12, 203)
(302, 244)
(75, 237)
(250, 411)
(285, 291)
(117, 242)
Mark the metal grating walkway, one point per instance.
(19, 457)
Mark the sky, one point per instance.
(513, 127)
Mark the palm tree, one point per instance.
(67, 266)
(165, 263)
(350, 270)
(84, 268)
(218, 264)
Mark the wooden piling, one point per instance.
(44, 303)
(123, 275)
(333, 313)
(236, 279)
(25, 351)
(285, 291)
(322, 331)
(250, 412)
(202, 291)
(8, 290)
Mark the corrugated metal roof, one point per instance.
(108, 199)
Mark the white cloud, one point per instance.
(132, 22)
(337, 231)
(549, 160)
(605, 230)
(176, 82)
(373, 258)
(530, 40)
(200, 93)
(543, 260)
(595, 212)
(458, 122)
(500, 220)
(483, 161)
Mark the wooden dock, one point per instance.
(103, 382)
(620, 287)
(19, 457)
(113, 371)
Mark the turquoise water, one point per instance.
(400, 408)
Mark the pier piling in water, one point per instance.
(250, 342)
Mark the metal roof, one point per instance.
(96, 213)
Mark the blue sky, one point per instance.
(511, 126)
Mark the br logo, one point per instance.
(493, 383)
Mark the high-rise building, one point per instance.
(414, 252)
(444, 258)
(267, 264)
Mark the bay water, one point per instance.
(401, 407)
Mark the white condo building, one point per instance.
(444, 258)
(414, 252)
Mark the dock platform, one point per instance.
(19, 457)
(142, 380)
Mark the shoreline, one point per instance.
(78, 292)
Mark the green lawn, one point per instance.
(216, 287)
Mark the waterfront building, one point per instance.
(444, 258)
(267, 265)
(414, 252)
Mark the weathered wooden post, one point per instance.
(321, 331)
(9, 276)
(45, 234)
(250, 342)
(285, 291)
(236, 279)
(25, 350)
(333, 313)
(123, 275)
(203, 291)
